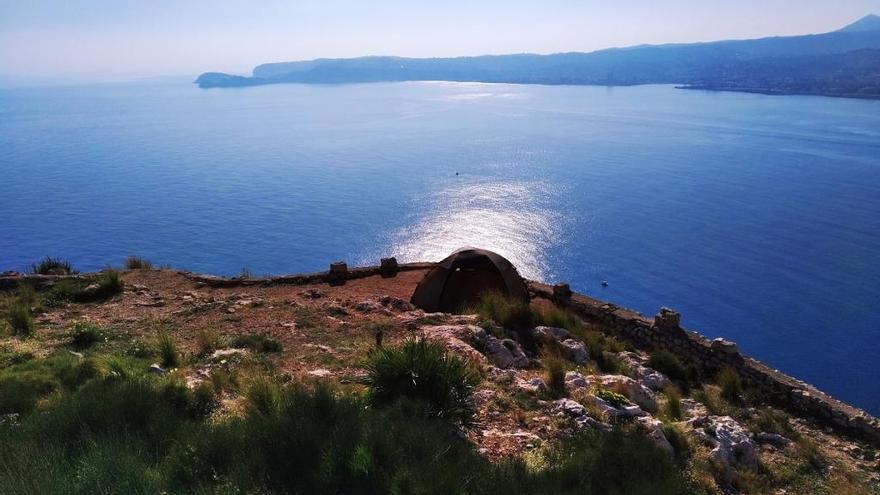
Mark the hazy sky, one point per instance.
(84, 39)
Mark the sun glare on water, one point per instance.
(505, 217)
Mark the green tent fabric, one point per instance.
(463, 276)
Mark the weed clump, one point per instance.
(84, 335)
(105, 286)
(52, 266)
(672, 407)
(554, 374)
(731, 385)
(168, 350)
(508, 312)
(137, 263)
(422, 371)
(20, 318)
(257, 343)
(668, 364)
(613, 398)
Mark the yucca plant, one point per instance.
(421, 370)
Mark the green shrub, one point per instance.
(669, 364)
(678, 440)
(100, 288)
(600, 349)
(137, 435)
(84, 334)
(420, 370)
(672, 407)
(52, 266)
(613, 398)
(24, 383)
(774, 421)
(204, 400)
(168, 350)
(554, 374)
(263, 396)
(20, 319)
(257, 343)
(109, 285)
(606, 463)
(554, 316)
(510, 313)
(731, 385)
(206, 342)
(197, 403)
(137, 263)
(27, 295)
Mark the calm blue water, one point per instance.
(757, 217)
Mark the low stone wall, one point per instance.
(665, 332)
(338, 273)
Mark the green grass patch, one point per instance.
(257, 343)
(23, 384)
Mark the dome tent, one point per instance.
(463, 276)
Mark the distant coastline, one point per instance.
(843, 63)
(776, 92)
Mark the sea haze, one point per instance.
(757, 217)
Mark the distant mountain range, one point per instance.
(840, 63)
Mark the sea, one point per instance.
(756, 217)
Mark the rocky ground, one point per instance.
(327, 332)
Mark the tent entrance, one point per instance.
(467, 281)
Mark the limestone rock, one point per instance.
(542, 334)
(483, 396)
(725, 346)
(576, 381)
(535, 385)
(627, 387)
(505, 353)
(774, 439)
(730, 441)
(654, 430)
(575, 351)
(693, 409)
(569, 407)
(156, 369)
(576, 411)
(649, 377)
(457, 339)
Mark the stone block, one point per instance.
(667, 319)
(562, 292)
